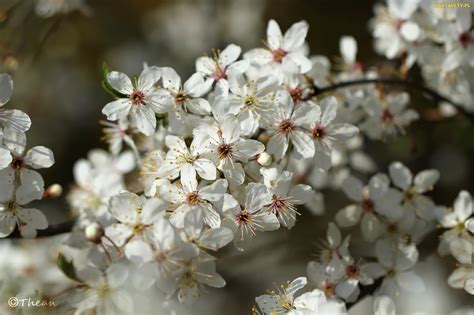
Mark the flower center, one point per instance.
(138, 228)
(243, 217)
(180, 97)
(296, 94)
(391, 272)
(392, 228)
(409, 195)
(193, 199)
(367, 205)
(278, 55)
(352, 271)
(137, 98)
(18, 163)
(10, 206)
(224, 151)
(286, 126)
(329, 289)
(318, 132)
(466, 39)
(387, 116)
(250, 100)
(219, 73)
(160, 256)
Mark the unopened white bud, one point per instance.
(264, 159)
(94, 232)
(53, 191)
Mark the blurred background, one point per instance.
(55, 59)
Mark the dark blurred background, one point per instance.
(56, 64)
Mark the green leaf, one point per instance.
(67, 267)
(105, 83)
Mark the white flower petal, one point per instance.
(342, 132)
(170, 79)
(148, 78)
(198, 106)
(31, 188)
(120, 82)
(274, 35)
(425, 180)
(328, 110)
(278, 145)
(333, 236)
(383, 305)
(124, 207)
(5, 158)
(295, 36)
(461, 249)
(215, 191)
(214, 239)
(39, 157)
(400, 175)
(258, 196)
(7, 223)
(303, 143)
(410, 281)
(463, 206)
(117, 109)
(205, 168)
(302, 194)
(145, 119)
(229, 55)
(348, 216)
(6, 88)
(16, 120)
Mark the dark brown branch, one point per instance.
(397, 82)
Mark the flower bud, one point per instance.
(94, 232)
(264, 137)
(264, 159)
(53, 191)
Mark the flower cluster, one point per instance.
(283, 301)
(20, 183)
(440, 40)
(458, 240)
(393, 220)
(238, 149)
(233, 151)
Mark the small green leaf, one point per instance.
(67, 267)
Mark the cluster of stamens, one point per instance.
(387, 116)
(282, 208)
(137, 98)
(224, 151)
(18, 163)
(286, 126)
(352, 271)
(296, 94)
(367, 205)
(193, 198)
(180, 97)
(278, 55)
(318, 132)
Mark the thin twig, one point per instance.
(436, 96)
